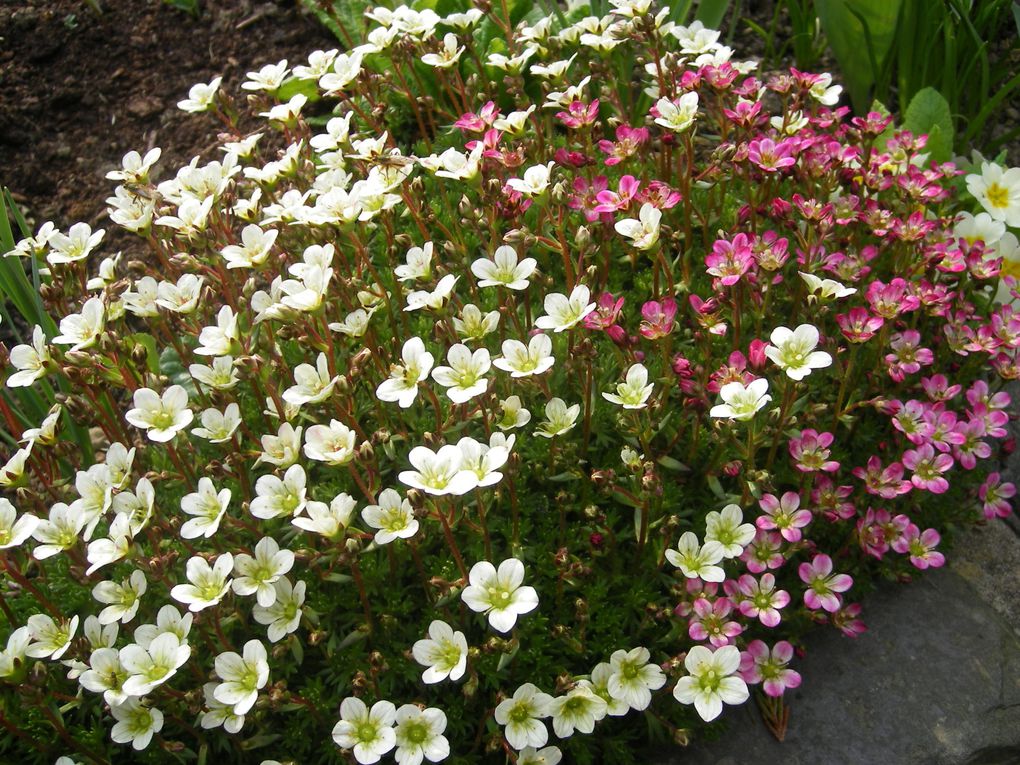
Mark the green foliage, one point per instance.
(928, 114)
(191, 7)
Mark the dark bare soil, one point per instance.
(79, 89)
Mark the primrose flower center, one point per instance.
(998, 196)
(520, 713)
(209, 591)
(499, 598)
(709, 680)
(163, 420)
(367, 733)
(289, 501)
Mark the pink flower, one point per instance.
(579, 114)
(585, 197)
(921, 547)
(709, 622)
(892, 299)
(628, 141)
(761, 600)
(810, 452)
(878, 530)
(477, 123)
(859, 326)
(994, 420)
(770, 251)
(944, 435)
(912, 422)
(770, 156)
(971, 448)
(928, 468)
(907, 356)
(760, 665)
(978, 393)
(784, 515)
(729, 261)
(830, 500)
(823, 585)
(887, 483)
(606, 313)
(765, 552)
(658, 319)
(994, 495)
(938, 388)
(613, 201)
(847, 622)
(660, 195)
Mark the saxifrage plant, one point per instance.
(456, 436)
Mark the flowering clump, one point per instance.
(476, 401)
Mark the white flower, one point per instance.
(498, 593)
(333, 444)
(168, 620)
(504, 269)
(180, 297)
(73, 246)
(402, 384)
(998, 191)
(483, 460)
(535, 181)
(742, 402)
(549, 755)
(207, 506)
(346, 67)
(242, 676)
(15, 530)
(393, 517)
(678, 115)
(438, 473)
(134, 167)
(219, 713)
(288, 112)
(59, 531)
(200, 97)
(13, 654)
(514, 415)
(276, 497)
(433, 300)
(328, 520)
(151, 666)
(206, 584)
(634, 393)
(284, 448)
(122, 598)
(521, 717)
(81, 330)
(824, 92)
(562, 312)
(794, 351)
(419, 735)
(13, 471)
(162, 418)
(368, 732)
(218, 427)
(105, 675)
(643, 231)
(464, 377)
(455, 165)
(523, 361)
(559, 418)
(355, 324)
(634, 678)
(29, 360)
(728, 529)
(136, 724)
(696, 561)
(418, 264)
(515, 122)
(712, 680)
(257, 575)
(448, 55)
(115, 547)
(311, 384)
(472, 324)
(599, 685)
(444, 653)
(50, 639)
(579, 709)
(135, 506)
(222, 339)
(284, 615)
(46, 433)
(191, 219)
(268, 78)
(826, 289)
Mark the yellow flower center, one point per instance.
(998, 196)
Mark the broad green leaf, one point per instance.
(929, 114)
(860, 33)
(308, 88)
(712, 12)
